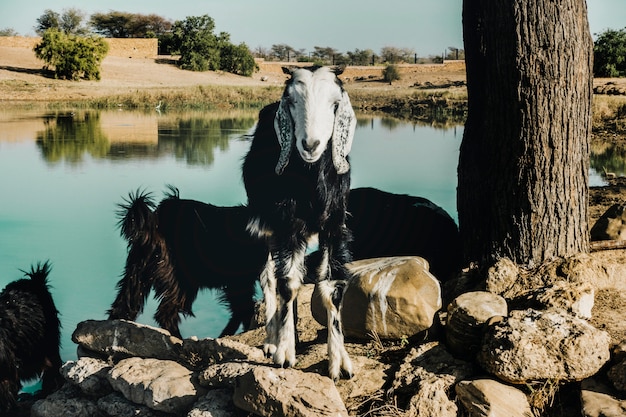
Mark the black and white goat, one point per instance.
(180, 247)
(30, 336)
(291, 198)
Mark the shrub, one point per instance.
(391, 73)
(71, 57)
(237, 59)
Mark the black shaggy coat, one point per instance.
(29, 336)
(303, 200)
(181, 247)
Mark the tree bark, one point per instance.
(524, 159)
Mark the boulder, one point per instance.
(216, 403)
(159, 384)
(115, 405)
(427, 376)
(597, 400)
(394, 298)
(532, 345)
(272, 392)
(490, 398)
(66, 402)
(88, 374)
(120, 339)
(617, 375)
(466, 316)
(576, 298)
(611, 225)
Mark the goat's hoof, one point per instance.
(345, 374)
(269, 350)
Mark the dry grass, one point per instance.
(609, 113)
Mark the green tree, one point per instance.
(237, 59)
(117, 24)
(609, 54)
(70, 56)
(70, 22)
(197, 44)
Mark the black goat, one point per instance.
(386, 224)
(292, 199)
(29, 336)
(180, 247)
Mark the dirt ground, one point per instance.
(21, 79)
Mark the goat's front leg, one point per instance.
(268, 285)
(290, 273)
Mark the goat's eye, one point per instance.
(336, 105)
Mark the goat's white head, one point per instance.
(313, 110)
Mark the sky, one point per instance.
(428, 27)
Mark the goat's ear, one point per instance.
(289, 69)
(343, 134)
(283, 125)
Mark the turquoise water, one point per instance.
(62, 175)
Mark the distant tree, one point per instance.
(48, 20)
(237, 59)
(391, 73)
(70, 22)
(197, 44)
(8, 32)
(609, 54)
(117, 24)
(201, 50)
(393, 55)
(71, 56)
(455, 53)
(325, 54)
(283, 52)
(358, 57)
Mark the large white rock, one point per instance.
(392, 297)
(532, 345)
(489, 398)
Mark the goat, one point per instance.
(29, 336)
(291, 199)
(386, 224)
(180, 247)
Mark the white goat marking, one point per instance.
(268, 285)
(314, 109)
(380, 291)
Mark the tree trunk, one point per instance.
(524, 159)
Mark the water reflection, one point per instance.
(192, 138)
(608, 156)
(68, 136)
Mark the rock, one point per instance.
(224, 374)
(427, 376)
(617, 375)
(65, 402)
(466, 316)
(273, 392)
(198, 354)
(161, 385)
(575, 298)
(611, 225)
(216, 403)
(391, 297)
(117, 406)
(501, 276)
(597, 401)
(89, 374)
(120, 339)
(531, 345)
(489, 398)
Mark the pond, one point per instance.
(63, 174)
